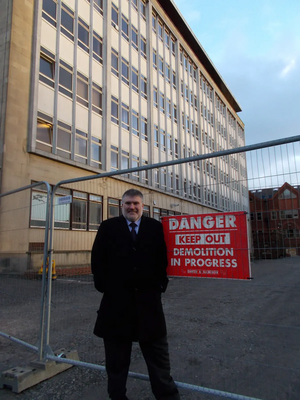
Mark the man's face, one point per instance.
(132, 208)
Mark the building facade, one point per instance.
(90, 86)
(275, 221)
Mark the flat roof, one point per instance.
(178, 20)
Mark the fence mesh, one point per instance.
(240, 337)
(21, 260)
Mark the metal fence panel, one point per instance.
(22, 283)
(227, 338)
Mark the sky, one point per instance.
(255, 46)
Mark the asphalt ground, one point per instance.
(240, 337)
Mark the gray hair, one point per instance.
(133, 193)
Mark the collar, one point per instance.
(136, 222)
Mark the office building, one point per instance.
(89, 86)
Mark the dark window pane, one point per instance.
(50, 7)
(97, 98)
(79, 214)
(63, 139)
(82, 89)
(83, 34)
(46, 67)
(66, 20)
(65, 78)
(97, 46)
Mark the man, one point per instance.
(129, 261)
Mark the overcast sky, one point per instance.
(255, 46)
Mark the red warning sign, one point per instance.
(208, 245)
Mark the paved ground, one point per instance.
(235, 336)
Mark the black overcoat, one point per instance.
(131, 277)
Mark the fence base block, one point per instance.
(21, 378)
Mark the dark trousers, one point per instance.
(156, 355)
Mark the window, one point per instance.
(156, 140)
(143, 10)
(44, 134)
(114, 164)
(134, 38)
(135, 123)
(63, 145)
(162, 140)
(162, 102)
(174, 79)
(114, 208)
(177, 184)
(155, 97)
(135, 79)
(156, 178)
(114, 16)
(135, 164)
(259, 216)
(47, 69)
(79, 210)
(125, 71)
(175, 113)
(143, 47)
(144, 131)
(160, 30)
(115, 110)
(146, 211)
(273, 214)
(134, 4)
(125, 30)
(154, 23)
(49, 11)
(186, 92)
(195, 74)
(65, 79)
(287, 194)
(176, 148)
(96, 152)
(144, 174)
(156, 213)
(125, 161)
(82, 90)
(164, 178)
(98, 5)
(86, 209)
(96, 98)
(161, 66)
(67, 21)
(173, 45)
(97, 47)
(95, 212)
(114, 62)
(167, 39)
(168, 73)
(125, 116)
(83, 35)
(81, 146)
(169, 115)
(169, 144)
(144, 87)
(288, 214)
(154, 58)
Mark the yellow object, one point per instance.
(54, 276)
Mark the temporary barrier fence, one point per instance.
(225, 335)
(24, 305)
